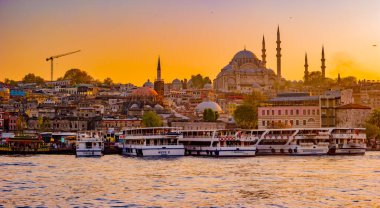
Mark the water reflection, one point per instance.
(327, 181)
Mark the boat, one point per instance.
(306, 141)
(25, 143)
(89, 145)
(347, 141)
(152, 142)
(219, 143)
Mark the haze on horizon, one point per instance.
(123, 39)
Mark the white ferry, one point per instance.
(219, 143)
(155, 141)
(293, 142)
(89, 145)
(347, 141)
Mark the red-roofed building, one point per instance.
(352, 115)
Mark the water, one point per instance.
(113, 180)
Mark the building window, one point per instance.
(286, 122)
(297, 112)
(318, 112)
(308, 112)
(304, 122)
(291, 122)
(291, 112)
(313, 112)
(279, 112)
(286, 112)
(263, 123)
(304, 112)
(263, 112)
(297, 122)
(267, 112)
(272, 112)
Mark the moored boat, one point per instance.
(347, 141)
(89, 145)
(152, 142)
(219, 143)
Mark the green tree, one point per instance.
(77, 76)
(255, 98)
(198, 81)
(31, 78)
(108, 81)
(10, 82)
(151, 119)
(374, 118)
(245, 116)
(209, 115)
(372, 131)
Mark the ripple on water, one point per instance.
(190, 182)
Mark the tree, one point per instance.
(10, 82)
(108, 81)
(151, 119)
(374, 118)
(255, 98)
(198, 81)
(77, 76)
(245, 116)
(209, 115)
(31, 78)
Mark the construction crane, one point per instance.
(51, 58)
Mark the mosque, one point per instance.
(246, 72)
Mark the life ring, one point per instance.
(273, 150)
(290, 150)
(295, 150)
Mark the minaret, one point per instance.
(323, 67)
(306, 73)
(263, 55)
(338, 78)
(159, 70)
(278, 49)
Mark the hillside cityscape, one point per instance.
(246, 94)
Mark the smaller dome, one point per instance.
(134, 106)
(158, 107)
(208, 104)
(207, 86)
(144, 91)
(176, 81)
(148, 84)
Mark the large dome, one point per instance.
(144, 91)
(244, 54)
(208, 104)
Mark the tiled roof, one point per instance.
(353, 106)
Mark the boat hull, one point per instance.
(347, 151)
(291, 150)
(154, 151)
(221, 151)
(89, 153)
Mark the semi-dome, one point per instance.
(148, 84)
(208, 104)
(144, 91)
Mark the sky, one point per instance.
(122, 39)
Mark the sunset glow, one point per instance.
(117, 39)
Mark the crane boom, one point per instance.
(51, 58)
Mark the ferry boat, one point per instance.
(89, 145)
(293, 142)
(347, 141)
(25, 143)
(152, 142)
(219, 143)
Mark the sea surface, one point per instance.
(263, 181)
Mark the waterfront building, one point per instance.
(291, 110)
(352, 115)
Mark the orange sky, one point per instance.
(123, 39)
